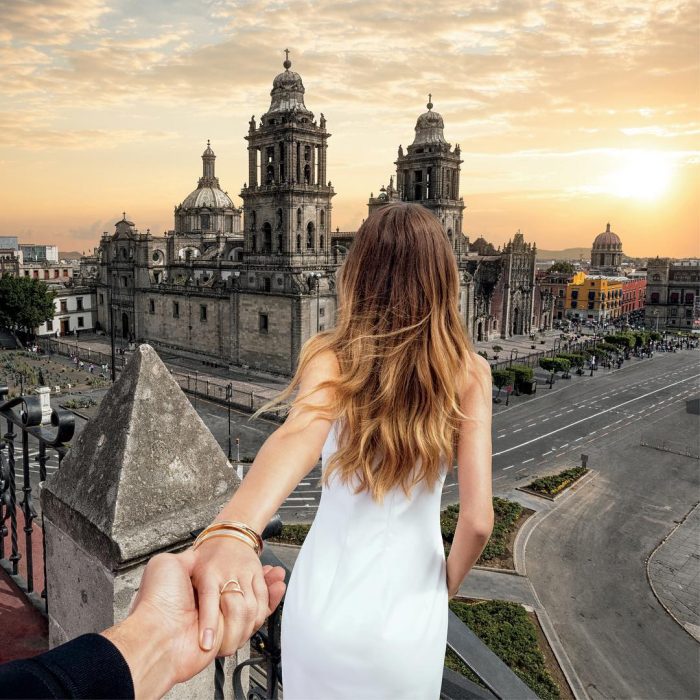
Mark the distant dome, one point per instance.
(429, 127)
(211, 197)
(608, 238)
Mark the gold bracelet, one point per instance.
(235, 525)
(226, 533)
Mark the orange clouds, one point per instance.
(544, 99)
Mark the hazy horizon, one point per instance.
(568, 116)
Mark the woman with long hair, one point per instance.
(391, 398)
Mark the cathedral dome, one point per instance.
(429, 127)
(607, 239)
(208, 193)
(211, 197)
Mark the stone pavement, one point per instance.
(674, 572)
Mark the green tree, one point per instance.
(562, 267)
(501, 378)
(25, 303)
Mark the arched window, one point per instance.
(298, 218)
(270, 175)
(279, 218)
(307, 174)
(322, 219)
(267, 237)
(205, 221)
(279, 243)
(253, 219)
(255, 242)
(320, 241)
(307, 153)
(310, 236)
(298, 243)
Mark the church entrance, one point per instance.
(516, 321)
(125, 326)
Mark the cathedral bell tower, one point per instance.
(429, 173)
(287, 200)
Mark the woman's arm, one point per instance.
(475, 521)
(288, 455)
(285, 458)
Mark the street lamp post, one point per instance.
(514, 350)
(317, 276)
(111, 337)
(229, 395)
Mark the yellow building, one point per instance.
(597, 298)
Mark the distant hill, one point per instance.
(566, 254)
(69, 255)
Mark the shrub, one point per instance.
(293, 533)
(496, 348)
(553, 484)
(484, 354)
(554, 364)
(522, 373)
(508, 631)
(502, 377)
(575, 359)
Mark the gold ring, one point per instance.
(234, 581)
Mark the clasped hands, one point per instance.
(179, 619)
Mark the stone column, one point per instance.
(44, 393)
(140, 478)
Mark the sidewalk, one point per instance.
(673, 570)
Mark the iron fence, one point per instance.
(533, 359)
(23, 421)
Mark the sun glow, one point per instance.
(645, 175)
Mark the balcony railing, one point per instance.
(22, 417)
(265, 662)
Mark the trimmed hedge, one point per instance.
(502, 377)
(553, 484)
(508, 631)
(506, 514)
(522, 373)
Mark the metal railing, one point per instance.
(68, 349)
(22, 417)
(533, 359)
(265, 662)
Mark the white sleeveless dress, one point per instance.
(365, 611)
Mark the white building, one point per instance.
(75, 312)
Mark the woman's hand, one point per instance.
(219, 560)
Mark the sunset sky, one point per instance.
(568, 114)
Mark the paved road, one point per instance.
(534, 436)
(587, 558)
(543, 434)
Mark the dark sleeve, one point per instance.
(89, 666)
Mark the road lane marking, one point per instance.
(595, 415)
(547, 453)
(581, 438)
(510, 467)
(518, 430)
(531, 424)
(532, 459)
(300, 498)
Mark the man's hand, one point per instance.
(160, 638)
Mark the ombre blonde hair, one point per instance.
(402, 351)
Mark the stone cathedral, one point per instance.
(249, 285)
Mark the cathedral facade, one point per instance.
(248, 285)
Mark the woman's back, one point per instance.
(368, 588)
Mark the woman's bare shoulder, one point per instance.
(477, 371)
